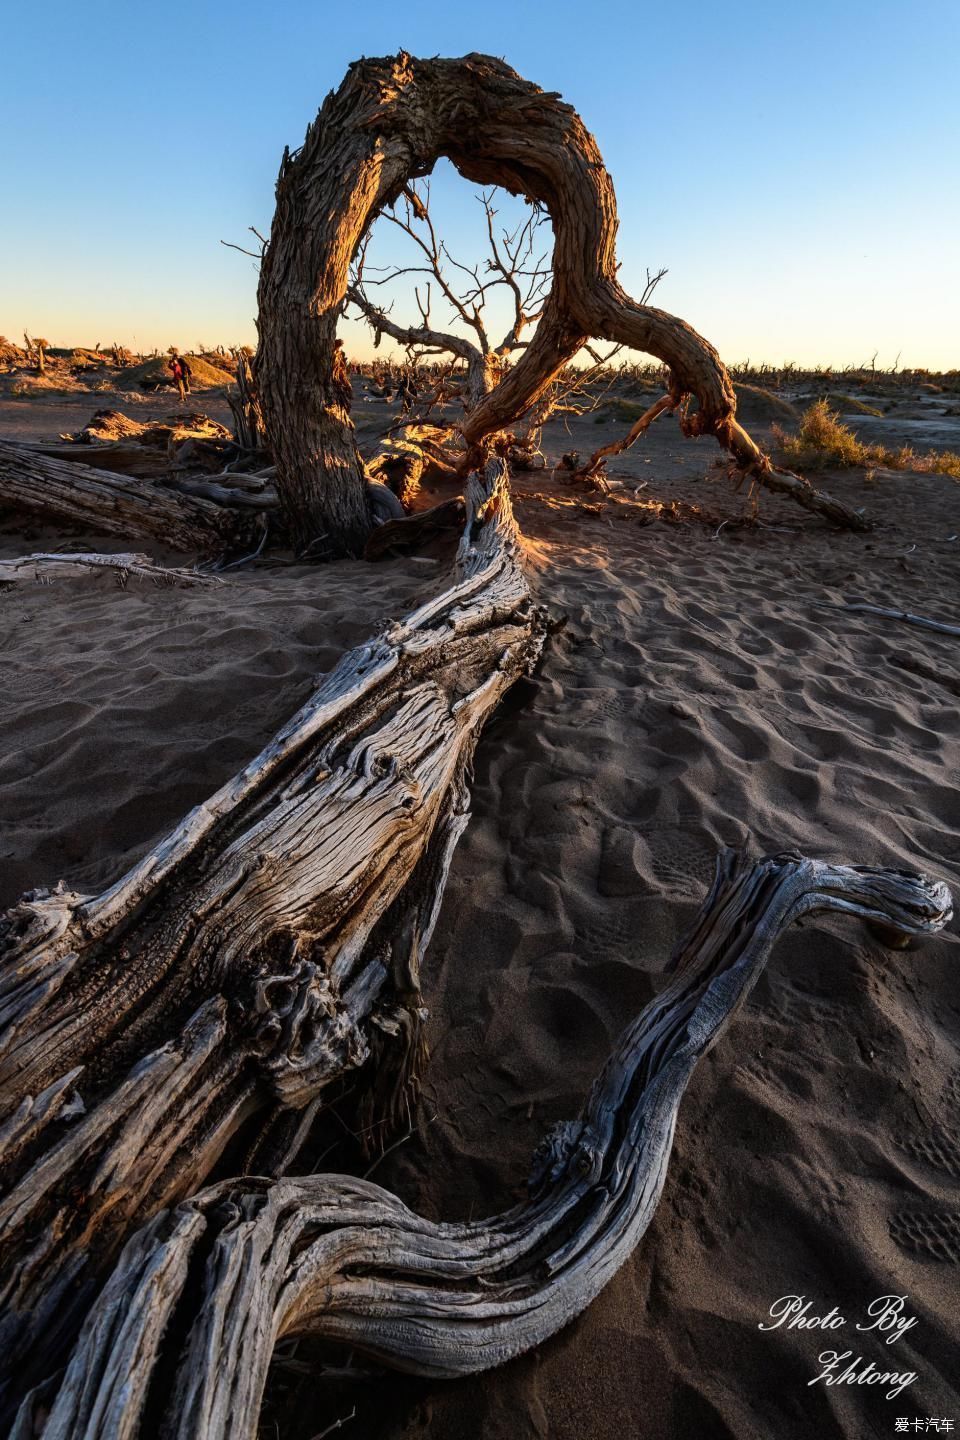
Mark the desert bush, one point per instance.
(823, 439)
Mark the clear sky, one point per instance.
(795, 166)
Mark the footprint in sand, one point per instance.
(928, 1232)
(935, 1233)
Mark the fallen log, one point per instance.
(203, 1293)
(114, 504)
(193, 1015)
(241, 497)
(244, 963)
(413, 454)
(43, 569)
(404, 532)
(119, 457)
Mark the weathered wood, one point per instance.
(207, 1289)
(245, 405)
(43, 569)
(234, 971)
(923, 622)
(212, 994)
(114, 504)
(412, 530)
(415, 452)
(117, 456)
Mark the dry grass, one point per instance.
(850, 405)
(823, 440)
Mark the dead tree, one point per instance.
(512, 264)
(390, 121)
(196, 1011)
(249, 960)
(245, 405)
(40, 347)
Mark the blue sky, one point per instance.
(794, 167)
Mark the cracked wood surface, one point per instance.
(114, 504)
(236, 969)
(210, 1287)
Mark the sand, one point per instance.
(696, 696)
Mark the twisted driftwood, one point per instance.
(239, 967)
(389, 122)
(206, 1290)
(923, 622)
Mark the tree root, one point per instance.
(941, 627)
(207, 1289)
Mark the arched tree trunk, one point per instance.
(390, 121)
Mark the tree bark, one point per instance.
(206, 1291)
(113, 504)
(245, 406)
(194, 1013)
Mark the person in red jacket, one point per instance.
(181, 373)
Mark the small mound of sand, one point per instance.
(761, 408)
(155, 372)
(838, 402)
(106, 425)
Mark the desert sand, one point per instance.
(697, 695)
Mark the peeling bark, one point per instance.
(208, 1289)
(414, 453)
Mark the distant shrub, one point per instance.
(823, 439)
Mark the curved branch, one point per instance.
(212, 1286)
